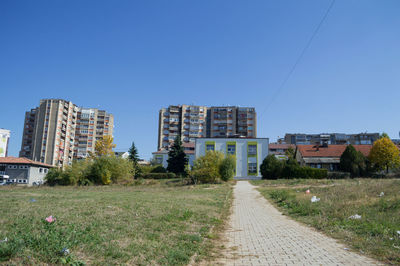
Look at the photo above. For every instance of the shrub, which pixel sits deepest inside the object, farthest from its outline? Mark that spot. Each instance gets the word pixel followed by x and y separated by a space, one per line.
pixel 206 169
pixel 227 168
pixel 158 169
pixel 159 176
pixel 271 167
pixel 109 169
pixel 101 170
pixel 56 176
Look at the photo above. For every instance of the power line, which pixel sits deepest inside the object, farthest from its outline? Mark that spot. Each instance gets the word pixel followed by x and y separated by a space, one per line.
pixel 299 58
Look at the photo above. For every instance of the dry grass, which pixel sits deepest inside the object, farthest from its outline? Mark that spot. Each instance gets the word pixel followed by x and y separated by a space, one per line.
pixel 375 234
pixel 162 223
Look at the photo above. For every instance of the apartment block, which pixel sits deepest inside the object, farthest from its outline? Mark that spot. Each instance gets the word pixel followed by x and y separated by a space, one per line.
pixel 191 122
pixel 49 132
pixel 188 121
pixel 229 121
pixel 92 125
pixel 4 139
pixel 331 138
pixel 52 135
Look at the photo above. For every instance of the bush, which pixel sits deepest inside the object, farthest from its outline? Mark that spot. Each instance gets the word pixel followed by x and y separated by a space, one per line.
pixel 101 171
pixel 271 167
pixel 206 169
pixel 158 169
pixel 158 176
pixel 227 168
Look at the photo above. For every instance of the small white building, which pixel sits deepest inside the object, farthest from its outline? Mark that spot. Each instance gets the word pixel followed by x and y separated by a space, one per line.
pixel 22 171
pixel 249 153
pixel 161 156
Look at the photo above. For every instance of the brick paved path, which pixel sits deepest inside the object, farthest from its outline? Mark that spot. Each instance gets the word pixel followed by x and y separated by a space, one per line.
pixel 259 234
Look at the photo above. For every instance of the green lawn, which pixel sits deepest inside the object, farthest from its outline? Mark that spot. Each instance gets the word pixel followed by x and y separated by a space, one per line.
pixel 163 223
pixel 375 234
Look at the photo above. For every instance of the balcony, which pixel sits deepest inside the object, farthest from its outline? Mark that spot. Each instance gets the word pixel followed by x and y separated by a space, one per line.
pixel 173 128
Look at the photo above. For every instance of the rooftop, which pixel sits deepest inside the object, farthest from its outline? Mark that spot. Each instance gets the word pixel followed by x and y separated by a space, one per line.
pixel 330 150
pixel 22 160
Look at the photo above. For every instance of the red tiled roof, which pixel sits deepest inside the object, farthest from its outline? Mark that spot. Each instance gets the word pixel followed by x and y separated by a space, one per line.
pixel 330 151
pixel 21 160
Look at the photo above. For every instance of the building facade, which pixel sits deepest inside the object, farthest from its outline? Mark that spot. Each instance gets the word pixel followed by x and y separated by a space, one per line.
pixel 161 156
pixel 52 134
pixel 188 121
pixel 331 138
pixel 249 153
pixel 92 124
pixel 191 122
pixel 4 140
pixel 22 171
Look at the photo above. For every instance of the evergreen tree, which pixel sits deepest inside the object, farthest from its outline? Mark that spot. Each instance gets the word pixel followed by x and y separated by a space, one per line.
pixel 134 157
pixel 177 158
pixel 352 161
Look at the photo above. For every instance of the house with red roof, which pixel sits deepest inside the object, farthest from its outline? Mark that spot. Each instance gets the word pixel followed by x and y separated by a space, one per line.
pixel 325 156
pixel 15 170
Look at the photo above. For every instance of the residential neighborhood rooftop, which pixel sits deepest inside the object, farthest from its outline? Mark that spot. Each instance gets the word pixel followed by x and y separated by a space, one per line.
pixel 330 150
pixel 21 160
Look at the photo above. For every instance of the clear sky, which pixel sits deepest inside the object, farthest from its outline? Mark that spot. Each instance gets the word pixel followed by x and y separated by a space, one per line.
pixel 133 57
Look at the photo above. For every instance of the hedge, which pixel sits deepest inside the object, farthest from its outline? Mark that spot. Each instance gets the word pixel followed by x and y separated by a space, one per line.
pixel 158 176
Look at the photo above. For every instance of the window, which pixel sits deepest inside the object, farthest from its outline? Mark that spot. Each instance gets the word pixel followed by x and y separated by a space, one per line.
pixel 209 147
pixel 252 168
pixel 231 149
pixel 252 149
pixel 40 170
pixel 45 170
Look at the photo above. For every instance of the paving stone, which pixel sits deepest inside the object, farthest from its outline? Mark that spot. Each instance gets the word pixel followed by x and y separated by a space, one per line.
pixel 259 234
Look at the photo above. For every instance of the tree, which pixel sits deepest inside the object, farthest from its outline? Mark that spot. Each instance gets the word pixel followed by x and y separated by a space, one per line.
pixel 104 146
pixel 352 161
pixel 227 167
pixel 384 154
pixel 207 168
pixel 384 135
pixel 177 158
pixel 290 152
pixel 271 167
pixel 134 157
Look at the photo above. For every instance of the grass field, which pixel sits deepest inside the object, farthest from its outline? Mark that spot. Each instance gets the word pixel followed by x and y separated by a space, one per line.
pixel 375 234
pixel 163 223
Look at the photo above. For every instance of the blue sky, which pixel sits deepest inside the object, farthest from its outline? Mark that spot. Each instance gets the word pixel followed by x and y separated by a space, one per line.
pixel 133 57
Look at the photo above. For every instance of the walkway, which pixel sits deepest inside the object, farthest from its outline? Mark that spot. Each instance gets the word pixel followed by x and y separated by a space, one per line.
pixel 259 234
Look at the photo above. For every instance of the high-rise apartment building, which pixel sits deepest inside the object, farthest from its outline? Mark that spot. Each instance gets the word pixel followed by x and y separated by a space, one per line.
pixel 190 122
pixel 229 121
pixel 52 136
pixel 49 132
pixel 92 125
pixel 4 139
